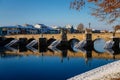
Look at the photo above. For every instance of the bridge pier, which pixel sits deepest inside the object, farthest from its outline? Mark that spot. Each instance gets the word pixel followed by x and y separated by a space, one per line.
pixel 22 44
pixel 89 42
pixel 42 44
pixel 2 41
pixel 116 43
pixel 64 42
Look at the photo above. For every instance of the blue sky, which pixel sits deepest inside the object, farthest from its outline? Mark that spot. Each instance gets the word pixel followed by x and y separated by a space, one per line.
pixel 49 12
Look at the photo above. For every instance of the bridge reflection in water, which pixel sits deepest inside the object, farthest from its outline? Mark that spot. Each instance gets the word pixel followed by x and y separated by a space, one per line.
pixel 65 53
pixel 34 63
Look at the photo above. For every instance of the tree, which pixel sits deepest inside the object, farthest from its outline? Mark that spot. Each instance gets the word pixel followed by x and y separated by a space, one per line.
pixel 80 27
pixel 104 9
pixel 117 27
pixel 72 30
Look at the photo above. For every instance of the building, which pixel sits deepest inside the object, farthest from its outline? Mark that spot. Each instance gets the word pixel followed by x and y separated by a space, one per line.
pixel 69 28
pixel 55 29
pixel 9 30
pixel 104 31
pixel 18 29
pixel 43 28
pixel 28 29
pixel 88 30
pixel 95 31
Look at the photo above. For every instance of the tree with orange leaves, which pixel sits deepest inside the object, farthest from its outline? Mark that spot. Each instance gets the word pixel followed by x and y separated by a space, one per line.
pixel 104 9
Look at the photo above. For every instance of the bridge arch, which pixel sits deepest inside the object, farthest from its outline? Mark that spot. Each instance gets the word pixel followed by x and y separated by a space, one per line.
pixel 99 42
pixel 5 41
pixel 49 41
pixel 31 39
pixel 72 42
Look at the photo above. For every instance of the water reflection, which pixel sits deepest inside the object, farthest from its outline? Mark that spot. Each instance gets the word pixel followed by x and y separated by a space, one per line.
pixel 64 53
pixel 51 64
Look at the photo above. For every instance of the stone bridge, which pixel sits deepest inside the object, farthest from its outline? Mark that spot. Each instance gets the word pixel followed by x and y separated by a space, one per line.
pixel 105 36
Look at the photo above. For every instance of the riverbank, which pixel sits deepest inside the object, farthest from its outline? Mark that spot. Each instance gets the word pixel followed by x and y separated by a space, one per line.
pixel 110 71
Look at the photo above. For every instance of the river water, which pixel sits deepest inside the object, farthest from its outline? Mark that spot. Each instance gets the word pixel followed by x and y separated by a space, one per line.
pixel 52 65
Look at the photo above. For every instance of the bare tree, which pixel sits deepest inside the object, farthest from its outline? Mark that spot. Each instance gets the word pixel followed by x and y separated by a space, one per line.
pixel 104 9
pixel 80 27
pixel 117 27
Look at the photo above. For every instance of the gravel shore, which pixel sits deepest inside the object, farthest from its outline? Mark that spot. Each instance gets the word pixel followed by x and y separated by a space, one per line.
pixel 110 71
